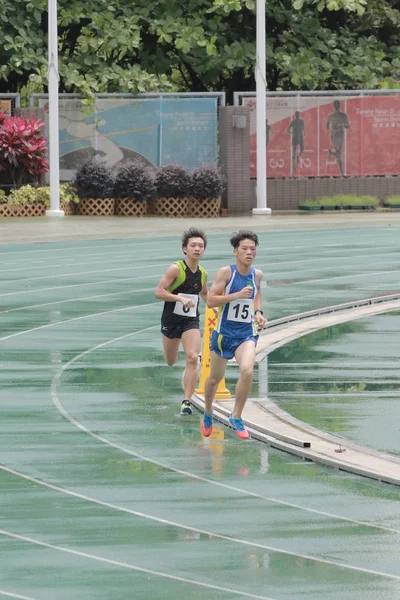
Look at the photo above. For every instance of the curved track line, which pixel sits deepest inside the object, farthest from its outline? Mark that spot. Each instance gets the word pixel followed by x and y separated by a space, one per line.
pixel 163 465
pixel 107 442
pixel 74 274
pixel 169 523
pixel 125 565
pixel 41 263
pixel 71 285
pixel 11 595
pixel 114 310
pixel 10 310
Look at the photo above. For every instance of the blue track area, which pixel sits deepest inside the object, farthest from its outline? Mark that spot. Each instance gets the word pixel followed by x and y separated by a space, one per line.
pixel 108 494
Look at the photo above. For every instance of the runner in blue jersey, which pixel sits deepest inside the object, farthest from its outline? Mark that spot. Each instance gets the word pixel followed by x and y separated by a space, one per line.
pixel 180 287
pixel 237 294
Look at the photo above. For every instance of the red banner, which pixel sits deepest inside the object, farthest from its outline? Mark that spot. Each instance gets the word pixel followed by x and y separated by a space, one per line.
pixel 317 136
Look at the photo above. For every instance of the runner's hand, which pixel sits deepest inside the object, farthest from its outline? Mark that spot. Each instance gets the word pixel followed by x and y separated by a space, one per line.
pixel 261 322
pixel 246 292
pixel 187 302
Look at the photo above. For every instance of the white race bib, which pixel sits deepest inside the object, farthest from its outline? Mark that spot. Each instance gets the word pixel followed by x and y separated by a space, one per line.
pixel 240 311
pixel 189 311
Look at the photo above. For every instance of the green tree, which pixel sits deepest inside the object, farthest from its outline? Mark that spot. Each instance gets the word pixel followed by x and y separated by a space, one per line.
pixel 136 46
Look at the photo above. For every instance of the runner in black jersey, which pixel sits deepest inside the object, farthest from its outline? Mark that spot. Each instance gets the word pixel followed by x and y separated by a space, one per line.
pixel 180 287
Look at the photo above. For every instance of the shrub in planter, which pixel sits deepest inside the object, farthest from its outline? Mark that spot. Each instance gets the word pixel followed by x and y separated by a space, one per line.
pixel 26 201
pixel 207 187
pixel 134 186
pixel 391 202
pixel 340 202
pixel 173 188
pixel 3 204
pixel 22 150
pixel 94 184
pixel 33 201
pixel 68 197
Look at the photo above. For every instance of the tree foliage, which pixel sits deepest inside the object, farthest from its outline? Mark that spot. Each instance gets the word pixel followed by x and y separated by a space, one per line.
pixel 198 45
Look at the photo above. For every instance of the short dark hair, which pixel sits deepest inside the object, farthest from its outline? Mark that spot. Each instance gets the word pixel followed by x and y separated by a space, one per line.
pixel 336 104
pixel 243 234
pixel 193 232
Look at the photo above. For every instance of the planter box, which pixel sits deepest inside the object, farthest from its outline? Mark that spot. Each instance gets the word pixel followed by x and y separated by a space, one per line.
pixel 199 209
pixel 27 210
pixel 170 207
pixel 359 207
pixel 96 207
pixel 69 209
pixel 129 208
pixel 310 207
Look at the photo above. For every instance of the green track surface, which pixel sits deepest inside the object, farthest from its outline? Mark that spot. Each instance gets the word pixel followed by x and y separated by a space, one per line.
pixel 108 494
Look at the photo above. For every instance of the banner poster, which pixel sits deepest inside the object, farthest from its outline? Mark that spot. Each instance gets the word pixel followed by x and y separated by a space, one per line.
pixel 317 136
pixel 157 131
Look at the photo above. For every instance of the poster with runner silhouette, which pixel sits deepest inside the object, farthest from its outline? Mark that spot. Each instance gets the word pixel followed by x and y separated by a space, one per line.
pixel 316 136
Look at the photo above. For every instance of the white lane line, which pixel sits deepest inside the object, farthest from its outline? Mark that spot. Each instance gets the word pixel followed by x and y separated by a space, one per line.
pixel 263 253
pixel 51 265
pixel 11 595
pixel 329 279
pixel 211 586
pixel 163 465
pixel 133 242
pixel 132 567
pixel 72 285
pixel 169 523
pixel 107 312
pixel 75 274
pixel 80 298
pixel 103 440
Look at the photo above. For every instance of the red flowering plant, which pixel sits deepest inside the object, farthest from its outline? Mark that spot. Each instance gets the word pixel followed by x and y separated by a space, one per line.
pixel 22 150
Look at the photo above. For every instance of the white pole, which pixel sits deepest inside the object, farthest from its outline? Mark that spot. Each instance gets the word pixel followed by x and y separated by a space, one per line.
pixel 52 76
pixel 261 130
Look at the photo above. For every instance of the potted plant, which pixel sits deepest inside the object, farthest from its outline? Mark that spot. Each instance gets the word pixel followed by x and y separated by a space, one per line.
pixel 133 187
pixel 26 201
pixel 173 187
pixel 340 202
pixel 68 197
pixel 94 184
pixel 30 201
pixel 23 150
pixel 392 202
pixel 207 187
pixel 4 209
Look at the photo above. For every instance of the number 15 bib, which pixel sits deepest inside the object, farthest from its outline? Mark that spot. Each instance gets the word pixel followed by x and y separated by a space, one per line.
pixel 240 311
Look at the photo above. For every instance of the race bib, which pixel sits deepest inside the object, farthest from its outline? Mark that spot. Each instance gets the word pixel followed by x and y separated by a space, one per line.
pixel 189 311
pixel 240 311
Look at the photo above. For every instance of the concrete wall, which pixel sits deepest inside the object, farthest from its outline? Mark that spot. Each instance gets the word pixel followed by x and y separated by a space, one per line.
pixel 234 153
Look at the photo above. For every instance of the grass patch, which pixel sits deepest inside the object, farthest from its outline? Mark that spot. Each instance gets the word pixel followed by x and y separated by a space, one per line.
pixel 343 201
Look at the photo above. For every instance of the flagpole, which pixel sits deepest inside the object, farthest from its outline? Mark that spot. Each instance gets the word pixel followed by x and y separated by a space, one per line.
pixel 261 129
pixel 52 74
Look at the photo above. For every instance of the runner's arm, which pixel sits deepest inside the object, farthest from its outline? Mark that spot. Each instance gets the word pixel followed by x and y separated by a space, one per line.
pixel 215 295
pixel 261 321
pixel 162 293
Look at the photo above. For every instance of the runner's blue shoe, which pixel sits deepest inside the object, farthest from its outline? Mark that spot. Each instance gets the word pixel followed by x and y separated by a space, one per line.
pixel 206 425
pixel 239 428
